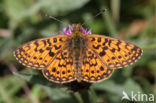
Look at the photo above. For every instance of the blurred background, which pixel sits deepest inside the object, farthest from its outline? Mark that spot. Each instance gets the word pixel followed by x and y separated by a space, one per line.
pixel 25 20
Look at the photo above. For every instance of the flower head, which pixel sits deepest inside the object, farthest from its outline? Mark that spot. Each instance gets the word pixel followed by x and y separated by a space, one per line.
pixel 85 31
pixel 69 30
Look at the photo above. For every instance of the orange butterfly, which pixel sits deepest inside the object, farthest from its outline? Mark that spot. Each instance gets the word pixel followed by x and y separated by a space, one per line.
pixel 77 55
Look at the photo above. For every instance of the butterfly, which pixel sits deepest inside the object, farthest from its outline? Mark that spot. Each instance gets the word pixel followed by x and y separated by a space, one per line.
pixel 77 55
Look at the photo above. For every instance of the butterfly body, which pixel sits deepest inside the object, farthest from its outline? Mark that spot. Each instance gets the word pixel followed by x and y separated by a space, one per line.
pixel 77 55
pixel 76 47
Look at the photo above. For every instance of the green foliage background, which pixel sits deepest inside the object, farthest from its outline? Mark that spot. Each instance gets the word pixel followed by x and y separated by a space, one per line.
pixel 25 20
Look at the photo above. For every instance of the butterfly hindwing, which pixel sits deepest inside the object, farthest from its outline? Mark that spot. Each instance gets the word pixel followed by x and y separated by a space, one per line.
pixel 61 69
pixel 93 68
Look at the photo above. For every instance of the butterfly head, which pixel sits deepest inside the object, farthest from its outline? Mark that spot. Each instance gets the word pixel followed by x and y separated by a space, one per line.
pixel 75 30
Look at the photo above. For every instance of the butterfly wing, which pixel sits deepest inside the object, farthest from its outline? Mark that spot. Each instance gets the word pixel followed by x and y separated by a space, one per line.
pixel 93 68
pixel 113 52
pixel 39 53
pixel 61 69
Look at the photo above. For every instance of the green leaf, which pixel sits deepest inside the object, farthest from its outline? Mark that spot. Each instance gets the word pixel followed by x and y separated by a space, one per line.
pixel 111 86
pixel 4 95
pixel 39 79
pixel 60 95
pixel 60 7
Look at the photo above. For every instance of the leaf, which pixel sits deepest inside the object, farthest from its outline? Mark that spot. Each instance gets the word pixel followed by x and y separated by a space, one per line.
pixel 15 9
pixel 59 95
pixel 39 79
pixel 110 86
pixel 4 95
pixel 59 7
pixel 9 86
pixel 19 9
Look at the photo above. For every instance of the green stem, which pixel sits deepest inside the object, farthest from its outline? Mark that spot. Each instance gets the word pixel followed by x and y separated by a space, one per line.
pixel 88 96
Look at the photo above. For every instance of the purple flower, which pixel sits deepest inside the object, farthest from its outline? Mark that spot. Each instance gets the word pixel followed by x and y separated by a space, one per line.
pixel 85 31
pixel 69 30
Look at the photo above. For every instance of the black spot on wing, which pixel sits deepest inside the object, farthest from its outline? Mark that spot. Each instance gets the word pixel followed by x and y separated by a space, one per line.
pixel 44 42
pixel 93 39
pixel 57 47
pixel 105 48
pixel 36 43
pixel 113 50
pixel 60 39
pixel 53 69
pixel 109 42
pixel 96 47
pixel 48 48
pixel 51 53
pixel 54 40
pixel 106 40
pixel 48 41
pixel 99 39
pixel 117 44
pixel 41 50
pixel 102 53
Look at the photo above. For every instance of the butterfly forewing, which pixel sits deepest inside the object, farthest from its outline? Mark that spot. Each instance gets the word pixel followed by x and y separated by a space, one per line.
pixel 38 53
pixel 113 52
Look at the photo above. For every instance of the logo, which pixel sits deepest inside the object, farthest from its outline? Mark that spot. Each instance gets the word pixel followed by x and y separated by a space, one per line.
pixel 137 96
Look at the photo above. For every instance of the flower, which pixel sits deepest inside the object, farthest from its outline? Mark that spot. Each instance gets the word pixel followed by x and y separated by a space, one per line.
pixel 85 31
pixel 69 30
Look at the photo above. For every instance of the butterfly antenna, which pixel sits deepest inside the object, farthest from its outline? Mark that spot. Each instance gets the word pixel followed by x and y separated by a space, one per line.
pixel 101 12
pixel 51 17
